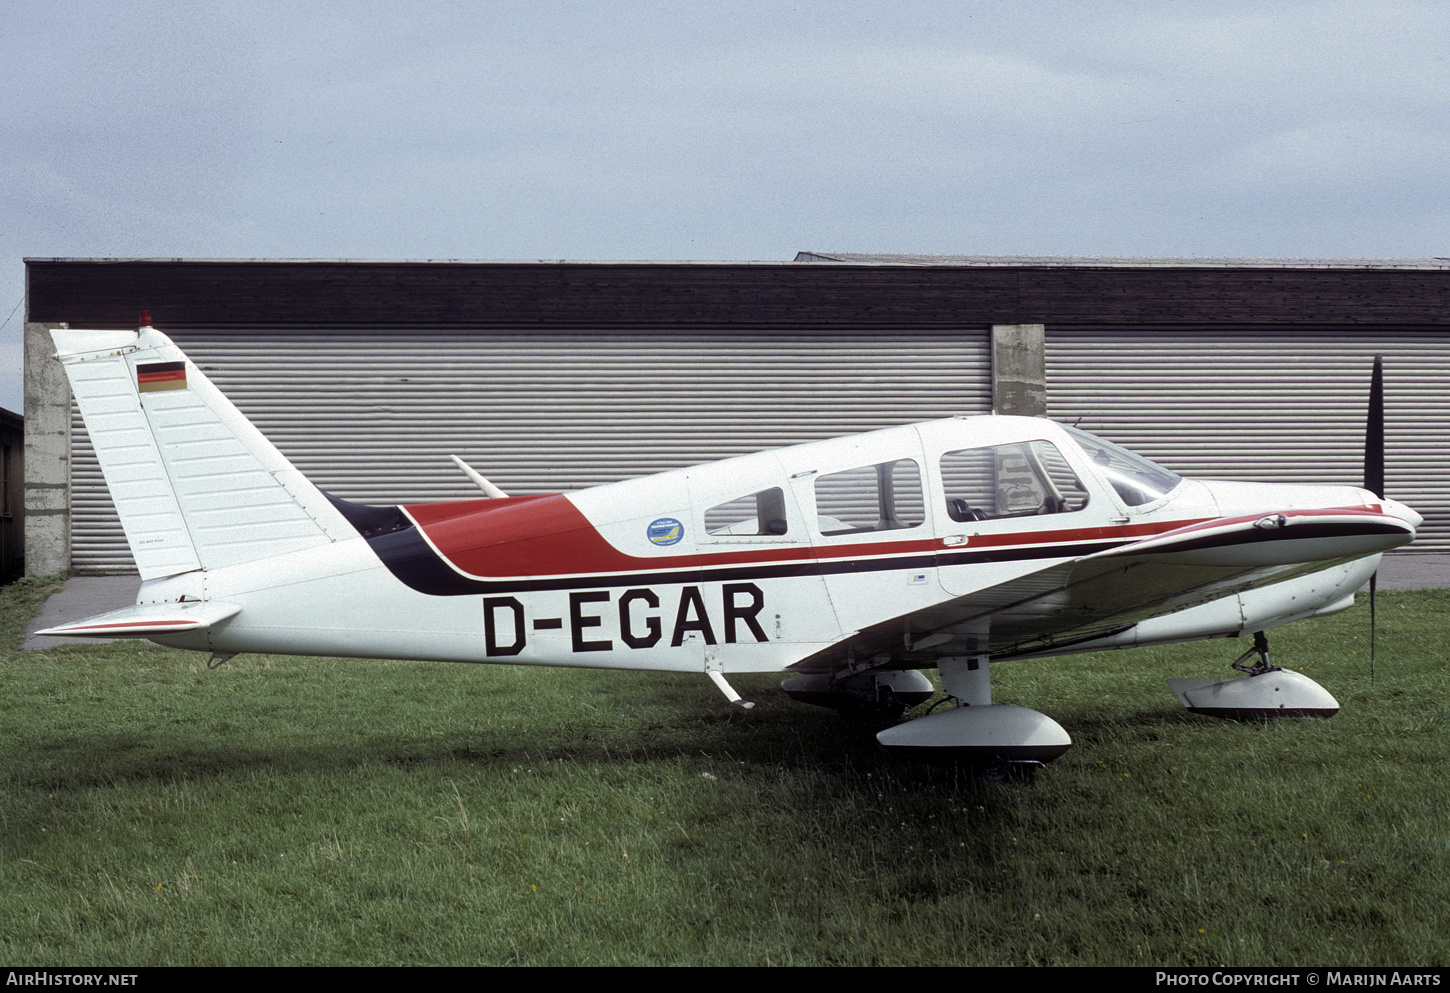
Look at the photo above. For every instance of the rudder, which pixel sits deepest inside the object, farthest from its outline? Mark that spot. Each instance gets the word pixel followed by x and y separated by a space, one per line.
pixel 196 486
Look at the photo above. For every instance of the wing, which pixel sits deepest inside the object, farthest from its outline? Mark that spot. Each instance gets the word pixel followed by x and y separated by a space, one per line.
pixel 1082 599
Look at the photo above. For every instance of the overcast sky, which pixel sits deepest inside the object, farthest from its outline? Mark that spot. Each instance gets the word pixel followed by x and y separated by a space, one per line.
pixel 719 130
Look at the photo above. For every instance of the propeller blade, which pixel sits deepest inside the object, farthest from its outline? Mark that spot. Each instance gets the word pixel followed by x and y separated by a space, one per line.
pixel 1374 472
pixel 1374 433
pixel 1372 625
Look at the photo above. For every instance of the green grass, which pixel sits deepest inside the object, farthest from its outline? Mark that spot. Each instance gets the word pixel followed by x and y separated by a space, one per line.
pixel 316 811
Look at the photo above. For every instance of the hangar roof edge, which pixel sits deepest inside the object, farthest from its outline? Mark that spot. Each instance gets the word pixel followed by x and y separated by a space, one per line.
pixel 480 262
pixel 1118 261
pixel 843 258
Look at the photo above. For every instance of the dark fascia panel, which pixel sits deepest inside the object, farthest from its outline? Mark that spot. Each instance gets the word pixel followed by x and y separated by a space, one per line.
pixel 520 295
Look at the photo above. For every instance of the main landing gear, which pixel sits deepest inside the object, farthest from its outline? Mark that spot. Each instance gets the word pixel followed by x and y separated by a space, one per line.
pixel 1001 739
pixel 1264 692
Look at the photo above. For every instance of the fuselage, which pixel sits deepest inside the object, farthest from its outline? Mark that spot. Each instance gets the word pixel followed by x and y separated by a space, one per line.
pixel 771 561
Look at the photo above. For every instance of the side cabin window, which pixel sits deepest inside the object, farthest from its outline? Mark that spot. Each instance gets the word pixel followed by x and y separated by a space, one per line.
pixel 882 497
pixel 1018 480
pixel 755 513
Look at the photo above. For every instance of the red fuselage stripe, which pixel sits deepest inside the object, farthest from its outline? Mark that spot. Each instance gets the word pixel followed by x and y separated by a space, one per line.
pixel 538 536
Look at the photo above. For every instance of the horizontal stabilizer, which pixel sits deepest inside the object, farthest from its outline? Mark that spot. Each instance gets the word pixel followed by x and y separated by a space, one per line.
pixel 148 620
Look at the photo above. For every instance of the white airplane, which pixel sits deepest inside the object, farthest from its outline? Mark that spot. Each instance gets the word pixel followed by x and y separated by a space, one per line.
pixel 849 565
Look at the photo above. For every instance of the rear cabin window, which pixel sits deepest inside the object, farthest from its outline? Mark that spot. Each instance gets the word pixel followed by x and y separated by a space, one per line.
pixel 755 513
pixel 882 497
pixel 1019 480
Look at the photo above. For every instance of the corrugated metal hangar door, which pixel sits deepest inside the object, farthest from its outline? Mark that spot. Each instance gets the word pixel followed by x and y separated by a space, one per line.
pixel 1267 405
pixel 372 416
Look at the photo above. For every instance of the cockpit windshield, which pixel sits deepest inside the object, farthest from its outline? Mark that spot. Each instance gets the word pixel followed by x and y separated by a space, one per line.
pixel 1135 479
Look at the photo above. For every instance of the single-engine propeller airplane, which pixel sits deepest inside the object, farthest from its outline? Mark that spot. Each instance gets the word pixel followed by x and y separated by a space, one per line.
pixel 848 565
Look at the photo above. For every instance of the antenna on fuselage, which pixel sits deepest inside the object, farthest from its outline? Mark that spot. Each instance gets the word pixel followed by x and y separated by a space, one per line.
pixel 492 491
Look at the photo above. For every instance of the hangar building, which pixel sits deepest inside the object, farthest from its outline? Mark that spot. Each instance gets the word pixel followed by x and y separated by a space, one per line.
pixel 549 376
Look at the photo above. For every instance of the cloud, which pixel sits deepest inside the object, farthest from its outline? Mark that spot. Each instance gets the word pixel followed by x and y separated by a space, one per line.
pixel 1334 153
pixel 728 130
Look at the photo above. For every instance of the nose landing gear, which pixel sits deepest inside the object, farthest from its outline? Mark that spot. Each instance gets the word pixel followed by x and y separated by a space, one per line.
pixel 1265 692
pixel 1261 649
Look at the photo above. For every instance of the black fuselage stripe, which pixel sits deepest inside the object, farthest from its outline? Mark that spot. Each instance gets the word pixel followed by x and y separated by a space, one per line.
pixel 1295 532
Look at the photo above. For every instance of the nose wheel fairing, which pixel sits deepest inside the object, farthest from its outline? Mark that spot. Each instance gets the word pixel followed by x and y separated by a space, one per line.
pixel 1266 695
pixel 1263 693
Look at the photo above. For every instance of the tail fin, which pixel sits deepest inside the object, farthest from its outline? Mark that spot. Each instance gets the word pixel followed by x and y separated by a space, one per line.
pixel 195 484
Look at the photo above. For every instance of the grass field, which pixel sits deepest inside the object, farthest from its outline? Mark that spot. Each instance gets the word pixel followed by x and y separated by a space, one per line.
pixel 316 811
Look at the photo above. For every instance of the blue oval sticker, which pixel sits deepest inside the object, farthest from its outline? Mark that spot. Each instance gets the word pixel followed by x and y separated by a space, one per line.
pixel 665 531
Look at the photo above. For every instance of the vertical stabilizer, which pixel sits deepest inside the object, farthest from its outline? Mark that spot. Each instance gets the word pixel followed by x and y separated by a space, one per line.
pixel 195 484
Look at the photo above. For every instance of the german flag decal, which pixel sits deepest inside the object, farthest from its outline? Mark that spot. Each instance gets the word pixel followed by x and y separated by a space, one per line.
pixel 153 377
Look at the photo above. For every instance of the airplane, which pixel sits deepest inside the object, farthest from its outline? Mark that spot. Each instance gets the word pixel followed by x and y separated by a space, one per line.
pixel 848 565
